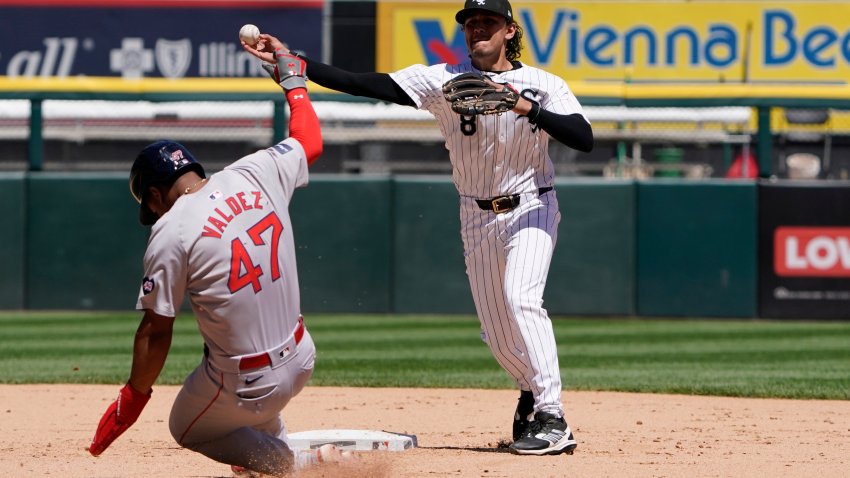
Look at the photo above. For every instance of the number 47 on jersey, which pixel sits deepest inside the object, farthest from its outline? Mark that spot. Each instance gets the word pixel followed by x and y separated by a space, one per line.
pixel 241 260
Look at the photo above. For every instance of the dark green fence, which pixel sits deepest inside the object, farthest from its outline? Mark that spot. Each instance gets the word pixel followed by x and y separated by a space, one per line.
pixel 13 240
pixel 385 244
pixel 593 267
pixel 428 268
pixel 84 244
pixel 696 247
pixel 343 243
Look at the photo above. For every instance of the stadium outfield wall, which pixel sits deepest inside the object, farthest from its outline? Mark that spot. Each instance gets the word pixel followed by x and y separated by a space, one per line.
pixel 660 247
pixel 627 248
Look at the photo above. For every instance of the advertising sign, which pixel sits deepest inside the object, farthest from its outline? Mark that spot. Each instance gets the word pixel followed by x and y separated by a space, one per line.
pixel 642 41
pixel 146 38
pixel 804 250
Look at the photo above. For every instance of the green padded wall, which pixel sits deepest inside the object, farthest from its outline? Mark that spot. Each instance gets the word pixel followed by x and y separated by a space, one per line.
pixel 595 246
pixel 696 247
pixel 593 266
pixel 342 228
pixel 429 274
pixel 375 245
pixel 85 243
pixel 12 240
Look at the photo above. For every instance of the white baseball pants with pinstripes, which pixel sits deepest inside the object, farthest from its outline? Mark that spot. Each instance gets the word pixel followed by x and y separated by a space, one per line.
pixel 507 260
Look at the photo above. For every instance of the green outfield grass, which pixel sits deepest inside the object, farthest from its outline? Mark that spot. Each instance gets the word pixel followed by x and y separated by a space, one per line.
pixel 706 357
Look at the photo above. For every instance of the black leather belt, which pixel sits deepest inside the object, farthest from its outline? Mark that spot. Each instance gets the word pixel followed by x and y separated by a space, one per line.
pixel 505 203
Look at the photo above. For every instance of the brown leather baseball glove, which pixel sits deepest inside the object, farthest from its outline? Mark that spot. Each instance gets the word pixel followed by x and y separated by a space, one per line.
pixel 475 94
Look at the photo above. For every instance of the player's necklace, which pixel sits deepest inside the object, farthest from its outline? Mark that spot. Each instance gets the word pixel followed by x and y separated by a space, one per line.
pixel 190 188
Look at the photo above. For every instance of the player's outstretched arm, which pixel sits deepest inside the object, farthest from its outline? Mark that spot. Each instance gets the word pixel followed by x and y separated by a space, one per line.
pixel 150 349
pixel 375 85
pixel 289 72
pixel 304 124
pixel 120 415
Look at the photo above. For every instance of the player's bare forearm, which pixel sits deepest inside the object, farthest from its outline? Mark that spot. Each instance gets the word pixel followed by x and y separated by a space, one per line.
pixel 150 349
pixel 523 107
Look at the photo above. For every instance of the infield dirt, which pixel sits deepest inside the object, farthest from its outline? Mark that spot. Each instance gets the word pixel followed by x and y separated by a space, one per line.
pixel 44 430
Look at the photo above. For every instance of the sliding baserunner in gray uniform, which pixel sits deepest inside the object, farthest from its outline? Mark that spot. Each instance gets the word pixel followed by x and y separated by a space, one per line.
pixel 226 241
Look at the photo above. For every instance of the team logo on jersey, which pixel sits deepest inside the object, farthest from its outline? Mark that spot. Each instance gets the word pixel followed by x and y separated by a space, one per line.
pixel 147 285
pixel 215 195
pixel 533 96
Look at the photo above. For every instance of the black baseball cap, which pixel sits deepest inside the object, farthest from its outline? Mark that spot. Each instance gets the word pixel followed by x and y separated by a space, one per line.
pixel 159 163
pixel 501 7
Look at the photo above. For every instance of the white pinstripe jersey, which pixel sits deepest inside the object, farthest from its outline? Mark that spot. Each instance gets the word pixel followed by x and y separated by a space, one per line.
pixel 499 154
pixel 230 247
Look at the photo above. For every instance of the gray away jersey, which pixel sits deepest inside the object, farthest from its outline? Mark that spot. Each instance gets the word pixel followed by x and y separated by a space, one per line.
pixel 230 246
pixel 492 155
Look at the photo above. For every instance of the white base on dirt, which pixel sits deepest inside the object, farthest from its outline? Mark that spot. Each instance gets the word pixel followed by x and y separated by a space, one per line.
pixel 358 440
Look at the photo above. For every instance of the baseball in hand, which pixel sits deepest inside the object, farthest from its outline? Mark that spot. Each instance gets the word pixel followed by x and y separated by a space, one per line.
pixel 250 34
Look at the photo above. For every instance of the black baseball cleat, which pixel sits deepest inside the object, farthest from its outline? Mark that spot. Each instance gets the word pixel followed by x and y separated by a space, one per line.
pixel 547 435
pixel 524 409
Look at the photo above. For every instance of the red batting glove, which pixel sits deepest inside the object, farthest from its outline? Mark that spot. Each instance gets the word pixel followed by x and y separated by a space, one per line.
pixel 118 418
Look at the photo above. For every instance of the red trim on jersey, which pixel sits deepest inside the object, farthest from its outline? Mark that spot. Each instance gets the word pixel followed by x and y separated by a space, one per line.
pixel 221 381
pixel 166 3
pixel 299 330
pixel 304 124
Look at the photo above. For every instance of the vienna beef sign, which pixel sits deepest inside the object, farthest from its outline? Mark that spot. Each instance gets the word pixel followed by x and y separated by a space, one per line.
pixel 667 41
pixel 812 251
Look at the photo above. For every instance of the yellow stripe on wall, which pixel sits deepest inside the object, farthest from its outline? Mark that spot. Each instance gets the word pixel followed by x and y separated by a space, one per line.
pixel 236 86
pixel 91 84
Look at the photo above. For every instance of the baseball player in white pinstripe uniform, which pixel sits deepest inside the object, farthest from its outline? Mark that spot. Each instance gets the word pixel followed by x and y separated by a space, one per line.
pixel 226 241
pixel 508 209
